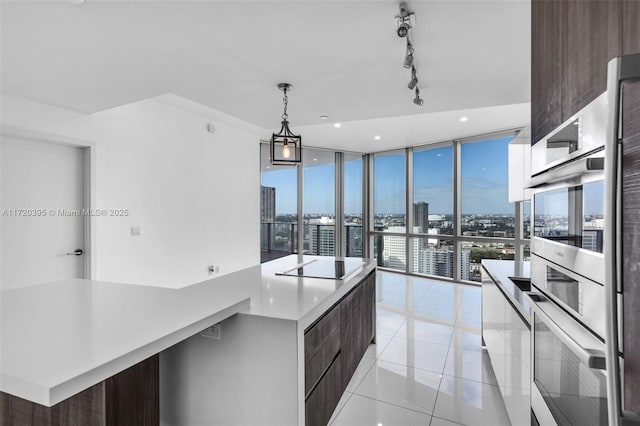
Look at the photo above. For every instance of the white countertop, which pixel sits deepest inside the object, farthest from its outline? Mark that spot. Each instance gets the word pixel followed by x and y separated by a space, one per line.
pixel 60 338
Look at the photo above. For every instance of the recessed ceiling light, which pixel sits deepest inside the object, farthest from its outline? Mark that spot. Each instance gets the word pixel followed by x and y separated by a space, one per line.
pixel 463 119
pixel 377 137
pixel 315 159
pixel 337 125
pixel 324 117
pixel 268 167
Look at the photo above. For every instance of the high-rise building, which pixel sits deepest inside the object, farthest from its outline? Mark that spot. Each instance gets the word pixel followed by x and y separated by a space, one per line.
pixel 394 253
pixel 353 240
pixel 322 237
pixel 267 204
pixel 431 259
pixel 465 264
pixel 434 261
pixel 421 216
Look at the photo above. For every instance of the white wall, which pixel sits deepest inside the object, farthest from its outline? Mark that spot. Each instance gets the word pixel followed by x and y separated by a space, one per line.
pixel 194 194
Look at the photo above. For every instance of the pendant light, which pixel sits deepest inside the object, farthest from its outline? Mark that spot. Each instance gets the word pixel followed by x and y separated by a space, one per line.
pixel 286 148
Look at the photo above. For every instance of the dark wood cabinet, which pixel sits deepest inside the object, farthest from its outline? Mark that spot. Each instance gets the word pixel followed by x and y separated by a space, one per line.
pixel 358 319
pixel 129 398
pixel 546 67
pixel 630 27
pixel 351 317
pixel 133 396
pixel 572 42
pixel 321 347
pixel 334 346
pixel 368 312
pixel 630 93
pixel 591 36
pixel 324 399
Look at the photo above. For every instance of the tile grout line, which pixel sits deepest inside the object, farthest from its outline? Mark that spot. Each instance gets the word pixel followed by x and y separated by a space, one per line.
pixel 394 404
pixel 337 414
pixel 435 403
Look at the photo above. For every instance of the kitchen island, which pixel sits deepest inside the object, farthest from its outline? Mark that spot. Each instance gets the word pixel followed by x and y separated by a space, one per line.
pixel 284 361
pixel 68 348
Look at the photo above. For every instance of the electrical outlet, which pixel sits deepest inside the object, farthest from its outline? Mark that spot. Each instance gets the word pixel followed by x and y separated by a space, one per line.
pixel 213 332
pixel 214 269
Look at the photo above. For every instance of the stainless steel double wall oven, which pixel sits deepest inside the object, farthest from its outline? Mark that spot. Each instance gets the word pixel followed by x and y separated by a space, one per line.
pixel 569 383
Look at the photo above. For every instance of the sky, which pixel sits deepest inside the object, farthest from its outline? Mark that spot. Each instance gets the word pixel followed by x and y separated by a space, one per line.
pixel 484 174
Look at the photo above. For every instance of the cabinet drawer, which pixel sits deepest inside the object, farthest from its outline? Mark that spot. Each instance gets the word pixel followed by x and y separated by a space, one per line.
pixel 323 400
pixel 321 344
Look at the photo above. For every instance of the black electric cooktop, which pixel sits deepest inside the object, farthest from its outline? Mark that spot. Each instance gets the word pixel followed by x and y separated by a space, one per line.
pixel 330 269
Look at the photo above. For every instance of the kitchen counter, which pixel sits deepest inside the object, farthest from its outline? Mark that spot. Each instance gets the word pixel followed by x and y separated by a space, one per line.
pixel 500 272
pixel 60 338
pixel 506 331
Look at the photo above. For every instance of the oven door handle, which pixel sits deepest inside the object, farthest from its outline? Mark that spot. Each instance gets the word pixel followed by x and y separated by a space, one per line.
pixel 594 358
pixel 568 171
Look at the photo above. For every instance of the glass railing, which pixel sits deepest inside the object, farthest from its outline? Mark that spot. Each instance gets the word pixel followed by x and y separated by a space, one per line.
pixel 279 237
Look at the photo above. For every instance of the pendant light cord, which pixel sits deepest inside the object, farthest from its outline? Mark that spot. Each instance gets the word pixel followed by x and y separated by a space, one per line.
pixel 285 101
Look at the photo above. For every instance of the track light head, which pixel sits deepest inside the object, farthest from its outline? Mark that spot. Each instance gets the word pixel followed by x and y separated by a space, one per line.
pixel 417 100
pixel 408 61
pixel 403 29
pixel 414 79
pixel 408 58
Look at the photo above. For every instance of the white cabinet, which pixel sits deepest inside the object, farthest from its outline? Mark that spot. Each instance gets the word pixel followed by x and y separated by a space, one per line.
pixel 520 166
pixel 507 338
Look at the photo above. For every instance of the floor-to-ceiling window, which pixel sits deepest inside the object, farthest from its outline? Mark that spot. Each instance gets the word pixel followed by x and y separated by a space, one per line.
pixel 319 199
pixel 485 208
pixel 353 235
pixel 460 213
pixel 390 210
pixel 278 208
pixel 433 211
pixel 331 200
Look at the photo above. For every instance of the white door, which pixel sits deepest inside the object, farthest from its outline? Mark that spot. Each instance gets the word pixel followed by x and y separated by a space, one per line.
pixel 41 204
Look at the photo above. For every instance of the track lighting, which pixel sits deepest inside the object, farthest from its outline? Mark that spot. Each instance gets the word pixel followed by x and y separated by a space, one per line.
pixel 405 21
pixel 417 100
pixel 414 79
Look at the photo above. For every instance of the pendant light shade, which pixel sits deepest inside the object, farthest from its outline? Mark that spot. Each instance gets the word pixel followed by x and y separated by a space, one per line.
pixel 286 148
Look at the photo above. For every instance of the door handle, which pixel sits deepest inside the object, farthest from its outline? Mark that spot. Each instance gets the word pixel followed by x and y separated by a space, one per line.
pixel 594 357
pixel 77 252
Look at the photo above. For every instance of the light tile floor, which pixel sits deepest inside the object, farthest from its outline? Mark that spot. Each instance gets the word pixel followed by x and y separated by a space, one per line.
pixel 427 366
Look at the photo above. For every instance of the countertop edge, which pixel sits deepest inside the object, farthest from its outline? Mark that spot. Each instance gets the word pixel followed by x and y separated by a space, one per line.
pixel 508 294
pixel 49 396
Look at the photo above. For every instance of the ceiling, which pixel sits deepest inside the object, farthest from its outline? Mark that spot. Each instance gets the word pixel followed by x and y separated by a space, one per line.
pixel 343 58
